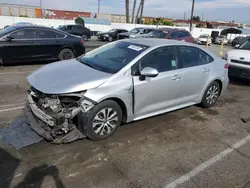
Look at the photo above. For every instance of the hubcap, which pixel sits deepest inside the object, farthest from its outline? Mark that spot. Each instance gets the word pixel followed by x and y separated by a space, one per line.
pixel 212 94
pixel 67 55
pixel 105 121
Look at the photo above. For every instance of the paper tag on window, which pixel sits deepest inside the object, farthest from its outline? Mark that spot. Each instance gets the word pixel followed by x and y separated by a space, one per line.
pixel 136 48
pixel 173 63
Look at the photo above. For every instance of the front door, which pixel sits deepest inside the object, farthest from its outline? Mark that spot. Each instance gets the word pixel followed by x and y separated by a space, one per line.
pixel 196 69
pixel 21 48
pixel 156 95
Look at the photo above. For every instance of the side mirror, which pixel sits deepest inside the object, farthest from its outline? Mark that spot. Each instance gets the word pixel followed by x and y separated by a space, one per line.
pixel 149 72
pixel 9 38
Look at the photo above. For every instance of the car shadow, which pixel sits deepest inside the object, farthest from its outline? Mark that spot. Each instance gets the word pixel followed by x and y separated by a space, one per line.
pixel 239 81
pixel 34 178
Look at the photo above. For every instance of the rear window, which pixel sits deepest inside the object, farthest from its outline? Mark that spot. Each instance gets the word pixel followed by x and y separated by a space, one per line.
pixel 6 31
pixel 112 57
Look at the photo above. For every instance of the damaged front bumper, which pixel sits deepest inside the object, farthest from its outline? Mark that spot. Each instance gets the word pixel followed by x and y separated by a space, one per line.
pixel 56 129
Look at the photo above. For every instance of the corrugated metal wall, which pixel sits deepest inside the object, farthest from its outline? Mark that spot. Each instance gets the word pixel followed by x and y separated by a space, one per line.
pixel 14 10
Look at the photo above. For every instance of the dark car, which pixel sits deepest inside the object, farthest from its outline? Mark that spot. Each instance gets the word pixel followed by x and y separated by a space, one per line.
pixel 239 41
pixel 135 32
pixel 35 43
pixel 157 33
pixel 78 30
pixel 110 35
pixel 178 34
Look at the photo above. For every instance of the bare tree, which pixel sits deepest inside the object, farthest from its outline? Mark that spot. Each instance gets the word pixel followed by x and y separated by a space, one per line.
pixel 142 6
pixel 127 11
pixel 133 12
pixel 137 14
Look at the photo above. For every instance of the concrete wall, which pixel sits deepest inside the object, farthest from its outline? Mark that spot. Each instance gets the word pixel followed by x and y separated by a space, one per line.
pixel 8 20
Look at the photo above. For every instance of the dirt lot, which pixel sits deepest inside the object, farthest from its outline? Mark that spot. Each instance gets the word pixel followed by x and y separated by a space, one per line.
pixel 190 148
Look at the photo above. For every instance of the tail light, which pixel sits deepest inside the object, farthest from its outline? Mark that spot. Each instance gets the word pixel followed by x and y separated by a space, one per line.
pixel 226 66
pixel 82 42
pixel 169 37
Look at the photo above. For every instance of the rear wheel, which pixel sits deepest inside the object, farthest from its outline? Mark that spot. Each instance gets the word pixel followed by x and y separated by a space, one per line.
pixel 110 39
pixel 103 120
pixel 85 37
pixel 211 95
pixel 66 54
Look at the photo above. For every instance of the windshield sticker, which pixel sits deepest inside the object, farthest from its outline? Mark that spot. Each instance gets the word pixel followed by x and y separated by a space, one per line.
pixel 173 63
pixel 136 48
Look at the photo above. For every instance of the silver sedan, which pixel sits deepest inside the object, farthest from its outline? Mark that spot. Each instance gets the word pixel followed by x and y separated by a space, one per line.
pixel 120 82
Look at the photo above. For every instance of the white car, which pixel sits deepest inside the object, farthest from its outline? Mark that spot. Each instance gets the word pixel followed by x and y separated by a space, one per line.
pixel 204 39
pixel 239 61
pixel 221 39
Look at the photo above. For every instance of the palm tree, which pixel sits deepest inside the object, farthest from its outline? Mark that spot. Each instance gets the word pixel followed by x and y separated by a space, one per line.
pixel 127 11
pixel 133 12
pixel 137 14
pixel 142 6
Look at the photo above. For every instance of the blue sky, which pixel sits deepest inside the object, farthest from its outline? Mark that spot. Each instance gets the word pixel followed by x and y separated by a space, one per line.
pixel 223 10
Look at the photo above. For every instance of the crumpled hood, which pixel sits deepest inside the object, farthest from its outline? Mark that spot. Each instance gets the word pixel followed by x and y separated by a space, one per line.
pixel 66 77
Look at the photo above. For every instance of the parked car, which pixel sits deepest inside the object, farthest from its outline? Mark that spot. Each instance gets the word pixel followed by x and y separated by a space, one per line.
pixel 36 43
pixel 214 34
pixel 178 34
pixel 120 82
pixel 134 33
pixel 221 39
pixel 110 35
pixel 156 33
pixel 239 40
pixel 204 39
pixel 239 61
pixel 77 29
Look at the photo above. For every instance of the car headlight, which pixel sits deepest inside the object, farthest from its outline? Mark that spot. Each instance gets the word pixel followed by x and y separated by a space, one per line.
pixel 106 35
pixel 225 56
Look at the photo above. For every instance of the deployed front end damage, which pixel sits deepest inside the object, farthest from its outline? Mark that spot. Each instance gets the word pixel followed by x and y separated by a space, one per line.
pixel 56 117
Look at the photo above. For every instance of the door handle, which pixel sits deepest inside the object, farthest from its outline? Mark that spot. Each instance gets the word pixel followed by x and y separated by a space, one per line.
pixel 205 70
pixel 176 77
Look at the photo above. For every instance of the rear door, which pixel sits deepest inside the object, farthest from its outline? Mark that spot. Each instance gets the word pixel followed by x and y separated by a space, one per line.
pixel 21 48
pixel 49 43
pixel 196 69
pixel 153 95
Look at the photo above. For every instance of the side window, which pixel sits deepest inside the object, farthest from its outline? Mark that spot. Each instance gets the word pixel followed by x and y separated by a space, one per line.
pixel 23 34
pixel 204 57
pixel 174 35
pixel 68 27
pixel 163 59
pixel 187 34
pixel 47 34
pixel 190 56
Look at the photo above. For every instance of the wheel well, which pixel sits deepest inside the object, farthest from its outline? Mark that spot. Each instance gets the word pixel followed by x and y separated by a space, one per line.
pixel 122 106
pixel 220 83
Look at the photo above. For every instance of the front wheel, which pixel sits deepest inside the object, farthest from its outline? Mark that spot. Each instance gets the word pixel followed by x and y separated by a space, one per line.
pixel 110 39
pixel 103 120
pixel 211 95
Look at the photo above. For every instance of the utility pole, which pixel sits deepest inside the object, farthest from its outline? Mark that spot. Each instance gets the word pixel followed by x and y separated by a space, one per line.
pixel 202 17
pixel 192 14
pixel 99 3
pixel 184 15
pixel 142 6
pixel 127 10
pixel 133 12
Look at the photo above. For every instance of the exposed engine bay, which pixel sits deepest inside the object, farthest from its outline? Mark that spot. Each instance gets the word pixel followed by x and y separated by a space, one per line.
pixel 57 117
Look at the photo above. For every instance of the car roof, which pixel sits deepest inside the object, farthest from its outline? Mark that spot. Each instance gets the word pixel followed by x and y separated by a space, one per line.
pixel 29 26
pixel 154 42
pixel 172 29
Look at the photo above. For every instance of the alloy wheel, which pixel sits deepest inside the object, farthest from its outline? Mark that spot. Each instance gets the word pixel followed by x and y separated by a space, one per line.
pixel 212 94
pixel 67 55
pixel 105 121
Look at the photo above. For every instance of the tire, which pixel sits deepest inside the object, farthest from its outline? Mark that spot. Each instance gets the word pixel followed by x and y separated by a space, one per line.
pixel 102 127
pixel 66 54
pixel 85 37
pixel 110 39
pixel 211 95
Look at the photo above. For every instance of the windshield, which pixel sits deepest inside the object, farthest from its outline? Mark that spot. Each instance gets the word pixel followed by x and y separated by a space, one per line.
pixel 6 31
pixel 112 57
pixel 203 36
pixel 135 31
pixel 158 34
pixel 245 45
